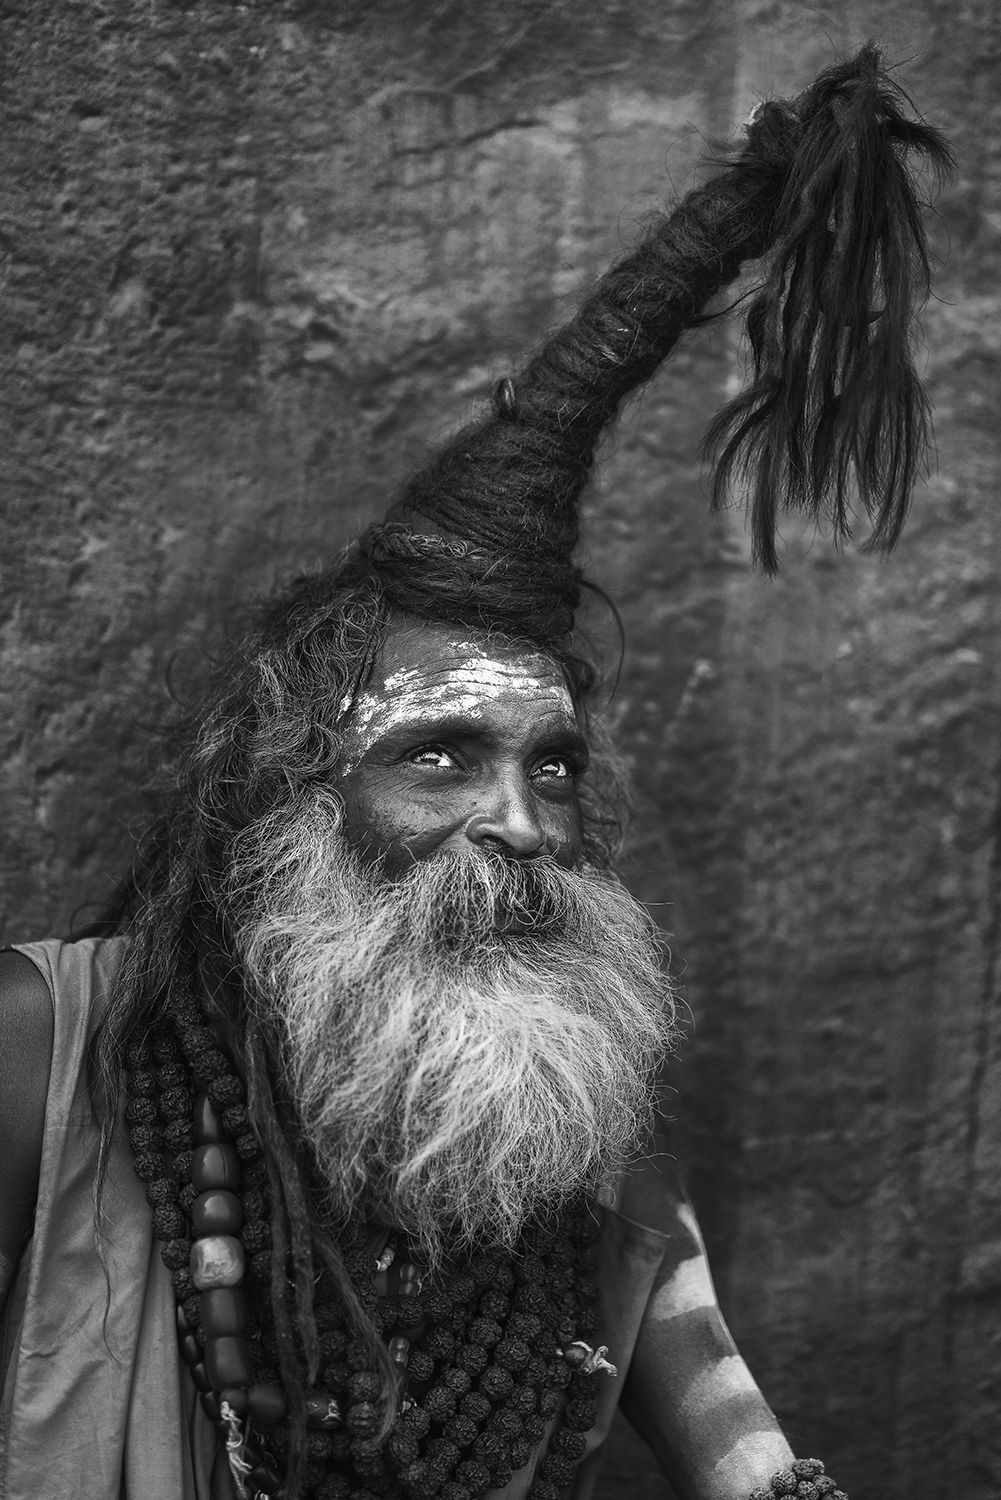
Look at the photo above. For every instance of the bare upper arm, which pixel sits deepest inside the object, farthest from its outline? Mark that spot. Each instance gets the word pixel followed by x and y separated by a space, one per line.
pixel 26 1032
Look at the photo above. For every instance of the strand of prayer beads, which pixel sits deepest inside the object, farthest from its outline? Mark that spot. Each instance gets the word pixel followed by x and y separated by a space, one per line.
pixel 490 1357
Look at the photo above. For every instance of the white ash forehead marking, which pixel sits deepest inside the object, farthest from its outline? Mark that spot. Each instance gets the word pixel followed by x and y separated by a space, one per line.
pixel 416 693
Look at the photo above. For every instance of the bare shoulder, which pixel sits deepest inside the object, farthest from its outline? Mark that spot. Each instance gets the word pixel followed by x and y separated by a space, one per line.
pixel 26 1033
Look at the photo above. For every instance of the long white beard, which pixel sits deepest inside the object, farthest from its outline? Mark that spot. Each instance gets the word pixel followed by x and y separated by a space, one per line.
pixel 468 1046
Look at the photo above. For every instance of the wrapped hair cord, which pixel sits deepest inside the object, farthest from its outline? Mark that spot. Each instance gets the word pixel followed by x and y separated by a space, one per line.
pixel 822 190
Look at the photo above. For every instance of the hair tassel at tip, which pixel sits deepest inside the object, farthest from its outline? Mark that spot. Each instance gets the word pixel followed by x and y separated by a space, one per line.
pixel 836 414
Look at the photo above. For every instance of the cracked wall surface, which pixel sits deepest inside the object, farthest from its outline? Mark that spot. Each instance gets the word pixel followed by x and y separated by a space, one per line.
pixel 257 257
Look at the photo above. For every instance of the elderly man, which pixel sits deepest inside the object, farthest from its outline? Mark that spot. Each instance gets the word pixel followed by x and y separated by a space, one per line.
pixel 323 1159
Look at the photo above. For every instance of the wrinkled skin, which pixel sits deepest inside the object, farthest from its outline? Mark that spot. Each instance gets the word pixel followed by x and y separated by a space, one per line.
pixel 461 743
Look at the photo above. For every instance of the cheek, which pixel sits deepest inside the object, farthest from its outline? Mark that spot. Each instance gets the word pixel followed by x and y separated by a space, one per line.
pixel 567 838
pixel 393 830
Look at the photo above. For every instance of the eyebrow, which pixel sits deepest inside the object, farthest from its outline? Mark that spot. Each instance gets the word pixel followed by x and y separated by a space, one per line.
pixel 552 732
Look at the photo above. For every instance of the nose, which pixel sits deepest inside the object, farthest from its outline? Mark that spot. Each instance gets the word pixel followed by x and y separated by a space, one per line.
pixel 508 816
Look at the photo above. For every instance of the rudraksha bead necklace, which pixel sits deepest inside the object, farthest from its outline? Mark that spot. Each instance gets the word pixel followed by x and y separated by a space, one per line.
pixel 488 1354
pixel 803 1480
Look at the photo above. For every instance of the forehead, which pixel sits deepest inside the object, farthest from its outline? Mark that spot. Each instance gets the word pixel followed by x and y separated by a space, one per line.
pixel 426 670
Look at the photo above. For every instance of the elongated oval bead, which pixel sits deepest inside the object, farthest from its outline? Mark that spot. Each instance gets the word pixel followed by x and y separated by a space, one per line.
pixel 227 1361
pixel 206 1124
pixel 266 1404
pixel 217 1260
pixel 199 1375
pixel 210 1404
pixel 215 1166
pixel 190 1352
pixel 216 1212
pixel 223 1309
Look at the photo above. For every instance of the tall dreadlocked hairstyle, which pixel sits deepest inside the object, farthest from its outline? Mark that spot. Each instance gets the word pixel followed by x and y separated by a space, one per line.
pixel 485 537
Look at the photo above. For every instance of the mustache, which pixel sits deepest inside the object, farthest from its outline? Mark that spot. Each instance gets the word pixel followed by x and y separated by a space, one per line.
pixel 475 900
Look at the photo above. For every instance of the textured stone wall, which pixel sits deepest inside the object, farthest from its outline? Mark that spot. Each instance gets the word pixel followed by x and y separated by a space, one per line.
pixel 256 257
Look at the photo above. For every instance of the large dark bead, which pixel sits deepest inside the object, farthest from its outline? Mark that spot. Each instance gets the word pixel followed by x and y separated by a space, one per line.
pixel 235 1397
pixel 265 1478
pixel 523 1400
pixel 148 1165
pixel 175 1104
pixel 266 1404
pixel 472 1358
pixel 414 1420
pixel 235 1120
pixel 475 1406
pixel 461 1286
pixel 227 1360
pixel 216 1166
pixel 141 1111
pixel 248 1147
pixel 570 1443
pixel 439 1343
pixel 216 1212
pixel 146 1138
pixel 474 1474
pixel 549 1403
pixel 225 1091
pixel 223 1309
pixel 168 1222
pixel 165 1048
pixel 494 1304
pixel 496 1383
pixel 180 1168
pixel 521 1452
pixel 485 1331
pixel 557 1469
pixel 402 1448
pixel 323 1412
pixel 207 1128
pixel 513 1354
pixel 363 1418
pixel 461 1431
pixel 439 1404
pixel 421 1365
pixel 175 1254
pixel 409 1311
pixel 364 1385
pixel 318 1445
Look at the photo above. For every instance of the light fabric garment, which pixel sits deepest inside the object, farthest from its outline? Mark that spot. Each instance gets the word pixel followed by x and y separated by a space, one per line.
pixel 95 1398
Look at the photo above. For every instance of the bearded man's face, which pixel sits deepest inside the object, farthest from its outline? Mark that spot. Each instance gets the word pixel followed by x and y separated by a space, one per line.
pixel 461 744
pixel 472 1019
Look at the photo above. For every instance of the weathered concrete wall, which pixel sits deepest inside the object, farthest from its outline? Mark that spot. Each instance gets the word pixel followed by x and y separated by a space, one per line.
pixel 258 256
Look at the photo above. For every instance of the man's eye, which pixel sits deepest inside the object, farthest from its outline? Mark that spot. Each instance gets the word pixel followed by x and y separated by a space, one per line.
pixel 557 766
pixel 431 755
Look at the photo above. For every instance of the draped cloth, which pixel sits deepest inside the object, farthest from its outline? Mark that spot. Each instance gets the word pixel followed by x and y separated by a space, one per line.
pixel 96 1400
